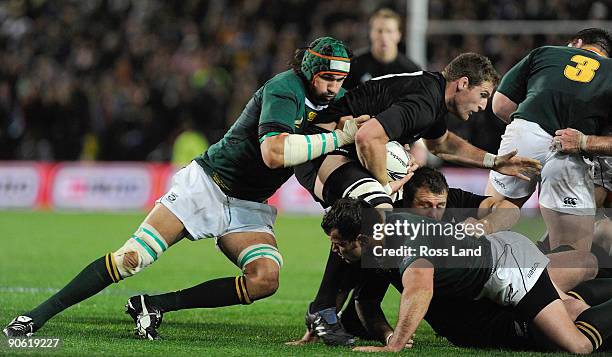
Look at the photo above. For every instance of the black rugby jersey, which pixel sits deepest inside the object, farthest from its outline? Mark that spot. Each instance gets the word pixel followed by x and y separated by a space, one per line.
pixel 409 106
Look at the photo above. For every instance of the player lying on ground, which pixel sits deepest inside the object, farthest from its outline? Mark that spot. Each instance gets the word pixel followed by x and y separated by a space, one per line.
pixel 428 192
pixel 222 194
pixel 504 267
pixel 551 89
pixel 405 107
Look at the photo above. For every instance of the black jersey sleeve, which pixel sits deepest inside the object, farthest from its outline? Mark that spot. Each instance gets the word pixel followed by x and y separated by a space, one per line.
pixel 458 198
pixel 461 204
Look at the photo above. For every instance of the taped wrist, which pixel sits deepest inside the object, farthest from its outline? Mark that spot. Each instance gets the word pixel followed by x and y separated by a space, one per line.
pixel 488 161
pixel 583 143
pixel 302 148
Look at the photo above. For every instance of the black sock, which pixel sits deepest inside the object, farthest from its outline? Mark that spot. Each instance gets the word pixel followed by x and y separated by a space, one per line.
pixel 351 322
pixel 212 293
pixel 595 323
pixel 336 272
pixel 593 292
pixel 91 280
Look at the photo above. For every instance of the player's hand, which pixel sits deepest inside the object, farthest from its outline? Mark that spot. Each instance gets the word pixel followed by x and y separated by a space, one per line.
pixel 397 185
pixel 481 226
pixel 309 337
pixel 387 348
pixel 373 349
pixel 568 141
pixel 360 120
pixel 518 166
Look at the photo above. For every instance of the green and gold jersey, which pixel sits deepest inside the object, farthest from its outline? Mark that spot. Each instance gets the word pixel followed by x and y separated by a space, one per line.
pixel 561 87
pixel 235 162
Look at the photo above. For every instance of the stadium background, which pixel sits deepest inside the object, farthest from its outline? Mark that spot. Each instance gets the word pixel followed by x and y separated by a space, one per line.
pixel 94 91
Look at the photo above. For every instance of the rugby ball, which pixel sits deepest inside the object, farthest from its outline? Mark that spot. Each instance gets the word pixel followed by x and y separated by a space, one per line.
pixel 398 161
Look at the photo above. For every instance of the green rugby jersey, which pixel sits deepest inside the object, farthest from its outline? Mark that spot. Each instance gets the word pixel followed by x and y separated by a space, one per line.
pixel 561 87
pixel 235 162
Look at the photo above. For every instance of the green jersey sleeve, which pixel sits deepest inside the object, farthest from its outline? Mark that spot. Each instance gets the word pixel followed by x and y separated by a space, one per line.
pixel 514 83
pixel 280 108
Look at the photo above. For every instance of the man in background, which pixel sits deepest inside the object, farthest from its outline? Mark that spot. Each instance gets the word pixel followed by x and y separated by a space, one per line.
pixel 383 56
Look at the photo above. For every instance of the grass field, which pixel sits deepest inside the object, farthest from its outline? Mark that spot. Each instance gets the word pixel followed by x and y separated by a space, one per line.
pixel 41 251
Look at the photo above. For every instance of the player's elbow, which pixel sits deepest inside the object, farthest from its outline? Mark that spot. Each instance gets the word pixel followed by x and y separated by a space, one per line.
pixel 366 139
pixel 502 107
pixel 272 152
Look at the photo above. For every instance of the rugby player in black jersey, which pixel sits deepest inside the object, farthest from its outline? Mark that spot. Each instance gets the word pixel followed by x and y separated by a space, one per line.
pixel 406 107
pixel 428 192
pixel 509 271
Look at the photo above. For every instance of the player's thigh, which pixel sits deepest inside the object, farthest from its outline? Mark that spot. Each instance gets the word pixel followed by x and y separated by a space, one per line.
pixel 530 140
pixel 351 180
pixel 196 201
pixel 555 323
pixel 567 185
pixel 568 229
pixel 166 223
pixel 330 164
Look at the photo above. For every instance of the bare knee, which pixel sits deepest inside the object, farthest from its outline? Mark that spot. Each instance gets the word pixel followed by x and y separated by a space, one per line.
pixel 130 260
pixel 262 277
pixel 590 267
pixel 574 307
pixel 580 346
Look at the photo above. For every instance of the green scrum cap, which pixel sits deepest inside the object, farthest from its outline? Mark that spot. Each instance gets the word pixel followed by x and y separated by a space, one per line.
pixel 326 55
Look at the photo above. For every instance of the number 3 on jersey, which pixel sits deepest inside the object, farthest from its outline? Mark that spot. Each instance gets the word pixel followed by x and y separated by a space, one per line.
pixel 583 71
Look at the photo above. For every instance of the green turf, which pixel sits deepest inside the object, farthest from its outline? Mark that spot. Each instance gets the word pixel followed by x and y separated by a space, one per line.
pixel 41 251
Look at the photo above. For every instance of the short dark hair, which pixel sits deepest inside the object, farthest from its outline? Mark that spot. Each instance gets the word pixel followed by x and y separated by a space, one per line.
pixel 477 68
pixel 427 177
pixel 595 36
pixel 351 217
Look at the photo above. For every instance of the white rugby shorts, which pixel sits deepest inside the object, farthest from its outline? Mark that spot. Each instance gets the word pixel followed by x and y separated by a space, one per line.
pixel 603 172
pixel 207 212
pixel 566 180
pixel 518 264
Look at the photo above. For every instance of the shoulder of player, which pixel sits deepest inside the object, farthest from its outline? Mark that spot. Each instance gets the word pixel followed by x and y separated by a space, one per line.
pixel 458 198
pixel 361 54
pixel 288 83
pixel 406 63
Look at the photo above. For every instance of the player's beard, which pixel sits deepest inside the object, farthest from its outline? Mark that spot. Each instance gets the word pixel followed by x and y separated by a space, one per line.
pixel 321 99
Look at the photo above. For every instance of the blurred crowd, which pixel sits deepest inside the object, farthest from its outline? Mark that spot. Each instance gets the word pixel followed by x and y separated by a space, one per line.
pixel 122 79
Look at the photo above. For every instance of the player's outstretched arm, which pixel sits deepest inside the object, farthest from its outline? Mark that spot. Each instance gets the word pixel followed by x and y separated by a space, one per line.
pixel 418 291
pixel 451 147
pixel 496 215
pixel 288 150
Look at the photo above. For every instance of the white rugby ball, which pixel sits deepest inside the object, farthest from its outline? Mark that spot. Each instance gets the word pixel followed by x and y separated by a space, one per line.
pixel 398 161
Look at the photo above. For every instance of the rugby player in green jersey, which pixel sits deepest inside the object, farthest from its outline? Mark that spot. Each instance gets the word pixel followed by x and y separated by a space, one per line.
pixel 550 90
pixel 222 194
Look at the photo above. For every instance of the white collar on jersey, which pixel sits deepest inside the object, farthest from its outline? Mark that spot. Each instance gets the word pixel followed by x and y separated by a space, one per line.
pixel 313 106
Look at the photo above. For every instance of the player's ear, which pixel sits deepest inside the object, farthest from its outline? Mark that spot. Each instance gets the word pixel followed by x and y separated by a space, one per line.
pixel 363 239
pixel 463 83
pixel 577 43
